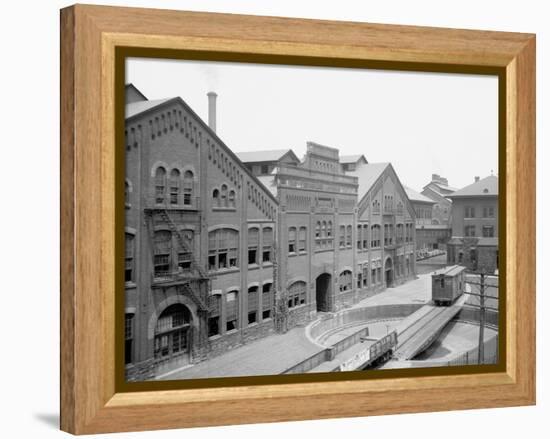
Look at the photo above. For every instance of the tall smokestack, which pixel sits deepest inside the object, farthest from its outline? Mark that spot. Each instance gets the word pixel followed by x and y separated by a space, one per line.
pixel 212 110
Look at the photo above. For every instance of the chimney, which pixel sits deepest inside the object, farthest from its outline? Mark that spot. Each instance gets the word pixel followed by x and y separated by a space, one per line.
pixel 435 177
pixel 212 110
pixel 476 179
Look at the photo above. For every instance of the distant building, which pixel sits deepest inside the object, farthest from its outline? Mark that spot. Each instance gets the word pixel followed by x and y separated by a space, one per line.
pixel 474 241
pixel 430 235
pixel 262 163
pixel 438 190
pixel 352 162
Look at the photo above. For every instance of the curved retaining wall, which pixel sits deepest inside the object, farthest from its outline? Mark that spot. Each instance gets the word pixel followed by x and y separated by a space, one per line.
pixel 360 315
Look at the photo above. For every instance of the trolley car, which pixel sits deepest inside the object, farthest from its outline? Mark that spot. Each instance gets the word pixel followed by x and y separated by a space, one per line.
pixel 448 285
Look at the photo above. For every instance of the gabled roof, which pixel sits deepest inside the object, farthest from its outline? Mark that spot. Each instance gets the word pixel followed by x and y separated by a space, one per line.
pixel 367 175
pixel 345 159
pixel 440 189
pixel 139 107
pixel 273 155
pixel 416 196
pixel 486 187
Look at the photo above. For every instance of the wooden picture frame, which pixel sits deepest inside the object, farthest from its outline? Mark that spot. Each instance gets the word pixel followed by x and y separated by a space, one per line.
pixel 91 396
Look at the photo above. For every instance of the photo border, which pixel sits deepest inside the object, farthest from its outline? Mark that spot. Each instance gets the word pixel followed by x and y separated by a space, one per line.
pixel 122 53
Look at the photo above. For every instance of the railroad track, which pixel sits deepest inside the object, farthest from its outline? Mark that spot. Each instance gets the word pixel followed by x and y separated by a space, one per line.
pixel 422 331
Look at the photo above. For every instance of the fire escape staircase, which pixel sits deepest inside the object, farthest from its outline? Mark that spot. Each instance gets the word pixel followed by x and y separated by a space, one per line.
pixel 193 286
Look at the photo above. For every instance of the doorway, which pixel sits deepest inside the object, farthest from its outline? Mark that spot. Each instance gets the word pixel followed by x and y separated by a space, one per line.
pixel 322 292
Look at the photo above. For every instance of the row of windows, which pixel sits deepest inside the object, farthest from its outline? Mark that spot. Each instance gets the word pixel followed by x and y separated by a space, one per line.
pixel 486 231
pixel 487 212
pixel 297 236
pixel 255 312
pixel 223 197
pixel 223 247
pixel 173 190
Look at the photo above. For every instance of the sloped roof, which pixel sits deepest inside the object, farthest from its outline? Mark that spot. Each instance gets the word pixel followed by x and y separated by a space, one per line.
pixel 273 155
pixel 269 182
pixel 485 187
pixel 367 176
pixel 344 159
pixel 141 106
pixel 417 196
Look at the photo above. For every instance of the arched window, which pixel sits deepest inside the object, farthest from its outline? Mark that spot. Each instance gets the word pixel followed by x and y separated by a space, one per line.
pixel 160 185
pixel 231 199
pixel 267 244
pixel 345 280
pixel 223 201
pixel 267 300
pixel 253 242
pixel 223 249
pixel 129 258
pixel 216 198
pixel 252 305
pixel 188 188
pixel 232 311
pixel 376 207
pixel 174 186
pixel 329 229
pixel 358 237
pixel 318 230
pixel 348 236
pixel 297 294
pixel 172 332
pixel 162 247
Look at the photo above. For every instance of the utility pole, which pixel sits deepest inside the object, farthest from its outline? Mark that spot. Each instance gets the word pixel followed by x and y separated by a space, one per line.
pixel 481 351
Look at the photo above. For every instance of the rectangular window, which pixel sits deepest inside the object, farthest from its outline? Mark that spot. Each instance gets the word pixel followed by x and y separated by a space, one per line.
pixel 470 231
pixel 129 338
pixel 129 260
pixel 373 276
pixel 292 240
pixel 265 169
pixel 252 305
pixel 232 308
pixel 469 212
pixel 214 311
pixel 488 232
pixel 302 239
pixel 342 236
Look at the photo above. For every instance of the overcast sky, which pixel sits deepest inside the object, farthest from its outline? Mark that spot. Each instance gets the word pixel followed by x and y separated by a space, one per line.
pixel 422 123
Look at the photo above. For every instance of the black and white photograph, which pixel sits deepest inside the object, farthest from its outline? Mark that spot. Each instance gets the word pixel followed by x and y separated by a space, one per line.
pixel 288 219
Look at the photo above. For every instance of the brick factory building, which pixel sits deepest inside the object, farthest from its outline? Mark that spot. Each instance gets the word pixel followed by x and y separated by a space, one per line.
pixel 220 252
pixel 474 241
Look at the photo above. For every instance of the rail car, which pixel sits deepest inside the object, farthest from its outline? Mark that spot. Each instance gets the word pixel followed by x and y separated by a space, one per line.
pixel 379 352
pixel 448 285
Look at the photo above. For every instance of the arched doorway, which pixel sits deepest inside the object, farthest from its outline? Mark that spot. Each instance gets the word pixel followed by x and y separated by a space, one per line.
pixel 173 338
pixel 322 292
pixel 388 268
